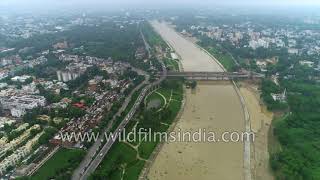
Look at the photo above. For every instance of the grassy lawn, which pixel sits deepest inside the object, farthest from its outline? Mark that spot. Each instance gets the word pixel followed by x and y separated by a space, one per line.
pixel 120 161
pixel 156 96
pixel 173 65
pixel 133 172
pixel 146 148
pixel 60 165
pixel 224 58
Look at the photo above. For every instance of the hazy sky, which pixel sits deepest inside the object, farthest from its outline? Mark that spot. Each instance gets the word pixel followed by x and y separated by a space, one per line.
pixel 47 4
pixel 168 2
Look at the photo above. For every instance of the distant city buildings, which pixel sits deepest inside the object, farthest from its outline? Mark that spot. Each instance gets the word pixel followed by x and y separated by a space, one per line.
pixel 249 34
pixel 18 105
pixel 254 44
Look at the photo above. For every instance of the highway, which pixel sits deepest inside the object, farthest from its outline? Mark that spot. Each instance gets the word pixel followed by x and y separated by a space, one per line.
pixel 96 146
pixel 87 170
pixel 95 156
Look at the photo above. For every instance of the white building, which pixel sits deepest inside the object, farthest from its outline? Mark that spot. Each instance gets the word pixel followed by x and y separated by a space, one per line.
pixel 65 76
pixel 20 78
pixel 174 56
pixel 293 51
pixel 262 65
pixel 307 63
pixel 254 44
pixel 19 104
pixel 280 97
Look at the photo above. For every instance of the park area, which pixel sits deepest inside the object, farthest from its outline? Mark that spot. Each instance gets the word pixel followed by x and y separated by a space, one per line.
pixel 60 165
pixel 126 159
pixel 171 64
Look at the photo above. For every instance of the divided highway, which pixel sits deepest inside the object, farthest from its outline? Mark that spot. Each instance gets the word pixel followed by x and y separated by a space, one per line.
pixel 94 158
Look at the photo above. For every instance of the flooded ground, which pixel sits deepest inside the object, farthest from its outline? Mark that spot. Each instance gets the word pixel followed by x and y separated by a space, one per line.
pixel 192 57
pixel 216 108
pixel 213 106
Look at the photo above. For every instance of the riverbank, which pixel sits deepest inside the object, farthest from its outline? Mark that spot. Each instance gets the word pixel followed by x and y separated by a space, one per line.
pixel 260 120
pixel 192 57
pixel 213 106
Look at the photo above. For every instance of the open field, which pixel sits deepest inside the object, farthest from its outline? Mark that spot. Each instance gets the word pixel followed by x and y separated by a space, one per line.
pixel 209 107
pixel 224 58
pixel 60 165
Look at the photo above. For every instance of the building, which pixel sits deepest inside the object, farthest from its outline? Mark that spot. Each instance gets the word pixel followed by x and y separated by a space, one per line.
pixel 262 65
pixel 254 44
pixel 61 45
pixel 293 51
pixel 19 154
pixel 174 56
pixel 65 76
pixel 280 97
pixel 5 120
pixel 19 104
pixel 307 63
pixel 20 78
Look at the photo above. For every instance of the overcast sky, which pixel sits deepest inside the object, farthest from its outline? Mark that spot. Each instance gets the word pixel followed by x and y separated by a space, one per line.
pixel 168 2
pixel 44 4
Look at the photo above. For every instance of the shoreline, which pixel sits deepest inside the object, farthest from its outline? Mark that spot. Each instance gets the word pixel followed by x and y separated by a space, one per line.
pixel 261 121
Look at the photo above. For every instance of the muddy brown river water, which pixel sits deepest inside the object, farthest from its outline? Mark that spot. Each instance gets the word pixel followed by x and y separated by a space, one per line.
pixel 213 106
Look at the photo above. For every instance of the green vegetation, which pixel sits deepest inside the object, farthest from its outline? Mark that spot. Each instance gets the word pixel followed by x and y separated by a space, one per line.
pixel 171 64
pixel 223 57
pixel 155 97
pixel 268 87
pixel 298 135
pixel 120 162
pixel 153 38
pixel 126 159
pixel 60 165
pixel 221 54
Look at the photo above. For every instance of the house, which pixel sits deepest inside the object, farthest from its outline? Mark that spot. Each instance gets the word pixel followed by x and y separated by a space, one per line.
pixel 307 63
pixel 280 97
pixel 79 105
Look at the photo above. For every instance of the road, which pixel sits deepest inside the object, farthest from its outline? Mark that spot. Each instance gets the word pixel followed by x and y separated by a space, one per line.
pixel 96 146
pixel 86 170
pixel 95 156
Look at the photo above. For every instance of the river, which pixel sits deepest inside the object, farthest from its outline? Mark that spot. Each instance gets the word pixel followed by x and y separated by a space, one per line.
pixel 213 106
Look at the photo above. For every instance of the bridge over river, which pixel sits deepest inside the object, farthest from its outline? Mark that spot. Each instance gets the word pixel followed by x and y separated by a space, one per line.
pixel 215 75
